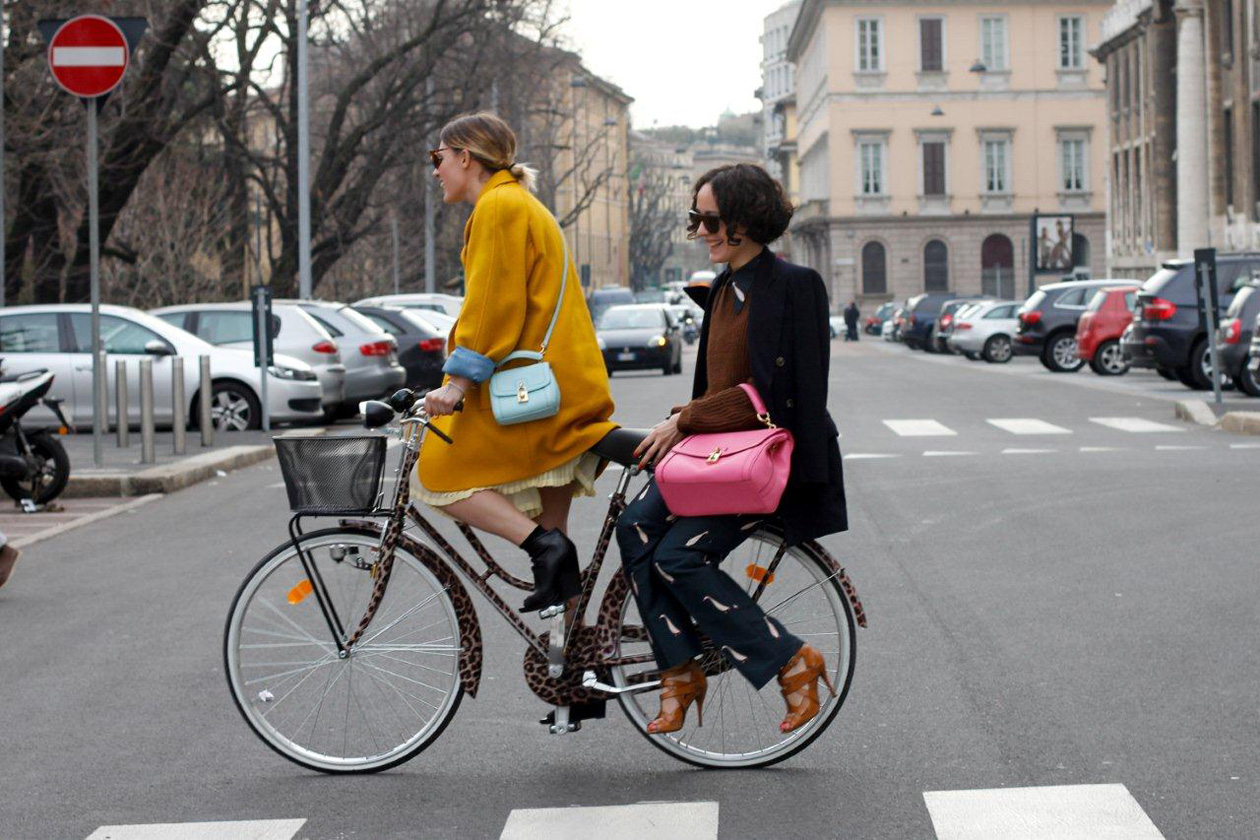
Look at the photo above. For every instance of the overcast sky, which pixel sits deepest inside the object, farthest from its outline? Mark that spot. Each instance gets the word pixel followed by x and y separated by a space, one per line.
pixel 655 50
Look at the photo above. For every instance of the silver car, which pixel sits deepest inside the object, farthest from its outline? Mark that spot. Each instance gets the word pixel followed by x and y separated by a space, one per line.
pixel 450 304
pixel 369 353
pixel 984 331
pixel 58 337
pixel 295 334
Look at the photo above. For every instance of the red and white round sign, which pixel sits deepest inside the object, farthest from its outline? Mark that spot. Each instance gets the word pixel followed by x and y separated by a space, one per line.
pixel 88 56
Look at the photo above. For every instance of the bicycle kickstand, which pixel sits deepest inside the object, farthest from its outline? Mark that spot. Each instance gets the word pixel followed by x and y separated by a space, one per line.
pixel 560 723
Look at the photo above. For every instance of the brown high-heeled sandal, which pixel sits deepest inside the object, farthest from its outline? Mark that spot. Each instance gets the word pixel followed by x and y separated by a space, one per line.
pixel 8 559
pixel 683 692
pixel 804 685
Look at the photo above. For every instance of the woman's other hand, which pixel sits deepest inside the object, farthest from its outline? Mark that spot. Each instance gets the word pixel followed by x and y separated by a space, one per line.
pixel 444 400
pixel 663 437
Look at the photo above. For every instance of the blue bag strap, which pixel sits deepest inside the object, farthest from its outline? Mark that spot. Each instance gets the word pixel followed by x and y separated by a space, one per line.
pixel 555 315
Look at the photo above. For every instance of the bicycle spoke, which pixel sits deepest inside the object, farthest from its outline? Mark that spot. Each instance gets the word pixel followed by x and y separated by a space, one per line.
pixel 409 612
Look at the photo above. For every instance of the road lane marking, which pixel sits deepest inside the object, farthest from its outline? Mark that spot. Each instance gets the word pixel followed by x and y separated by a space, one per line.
pixel 946 453
pixel 1177 448
pixel 1102 448
pixel 660 821
pixel 1028 451
pixel 1028 426
pixel 919 428
pixel 242 830
pixel 1244 446
pixel 867 456
pixel 1136 425
pixel 1066 812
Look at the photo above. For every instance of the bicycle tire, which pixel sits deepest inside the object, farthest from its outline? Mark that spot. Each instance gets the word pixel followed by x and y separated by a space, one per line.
pixel 792 743
pixel 287 747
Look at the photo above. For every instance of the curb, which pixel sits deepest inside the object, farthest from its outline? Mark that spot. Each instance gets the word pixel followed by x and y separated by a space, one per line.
pixel 1241 422
pixel 1195 411
pixel 167 478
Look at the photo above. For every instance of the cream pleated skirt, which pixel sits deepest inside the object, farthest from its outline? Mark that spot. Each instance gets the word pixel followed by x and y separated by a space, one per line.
pixel 523 494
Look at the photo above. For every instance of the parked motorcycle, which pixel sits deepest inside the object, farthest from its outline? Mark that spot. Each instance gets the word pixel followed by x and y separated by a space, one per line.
pixel 34 465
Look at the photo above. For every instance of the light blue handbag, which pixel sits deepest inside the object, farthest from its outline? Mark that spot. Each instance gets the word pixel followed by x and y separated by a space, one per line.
pixel 529 392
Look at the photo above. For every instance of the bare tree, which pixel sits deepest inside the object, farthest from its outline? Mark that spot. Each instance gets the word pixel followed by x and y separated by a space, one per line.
pixel 653 220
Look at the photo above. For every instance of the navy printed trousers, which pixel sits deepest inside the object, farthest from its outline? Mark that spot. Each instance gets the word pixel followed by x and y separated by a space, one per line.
pixel 672 564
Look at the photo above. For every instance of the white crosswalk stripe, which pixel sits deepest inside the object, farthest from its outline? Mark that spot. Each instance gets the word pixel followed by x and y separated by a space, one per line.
pixel 1028 451
pixel 1066 812
pixel 244 830
pixel 1136 425
pixel 1028 426
pixel 658 820
pixel 919 428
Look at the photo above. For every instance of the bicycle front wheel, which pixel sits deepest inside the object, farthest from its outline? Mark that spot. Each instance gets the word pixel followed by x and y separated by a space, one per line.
pixel 741 723
pixel 371 708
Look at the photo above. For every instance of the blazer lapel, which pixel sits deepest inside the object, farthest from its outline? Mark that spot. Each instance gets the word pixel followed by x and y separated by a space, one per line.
pixel 765 322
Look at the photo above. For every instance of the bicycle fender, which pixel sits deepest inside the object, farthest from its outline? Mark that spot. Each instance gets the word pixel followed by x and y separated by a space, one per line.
pixel 471 655
pixel 850 591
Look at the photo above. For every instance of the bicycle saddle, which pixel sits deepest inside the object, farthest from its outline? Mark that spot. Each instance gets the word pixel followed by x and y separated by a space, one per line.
pixel 618 445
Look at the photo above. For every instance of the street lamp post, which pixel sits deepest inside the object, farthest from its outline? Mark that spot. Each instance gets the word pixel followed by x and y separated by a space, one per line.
pixel 304 158
pixel 577 83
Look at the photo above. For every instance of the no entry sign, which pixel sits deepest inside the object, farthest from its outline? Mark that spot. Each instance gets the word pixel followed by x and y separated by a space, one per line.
pixel 88 56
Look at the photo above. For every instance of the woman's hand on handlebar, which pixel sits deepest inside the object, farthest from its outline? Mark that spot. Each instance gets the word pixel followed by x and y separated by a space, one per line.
pixel 663 437
pixel 445 400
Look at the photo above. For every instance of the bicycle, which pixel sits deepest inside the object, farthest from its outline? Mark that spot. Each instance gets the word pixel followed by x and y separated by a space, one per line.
pixel 361 699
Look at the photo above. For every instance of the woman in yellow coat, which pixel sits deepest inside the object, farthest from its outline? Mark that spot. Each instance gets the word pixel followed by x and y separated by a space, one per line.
pixel 515 481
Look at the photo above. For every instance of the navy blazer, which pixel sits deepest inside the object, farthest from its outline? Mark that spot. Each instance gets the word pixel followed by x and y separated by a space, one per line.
pixel 789 347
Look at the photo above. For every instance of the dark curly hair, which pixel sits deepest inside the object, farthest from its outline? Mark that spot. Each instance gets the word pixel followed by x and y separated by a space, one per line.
pixel 749 200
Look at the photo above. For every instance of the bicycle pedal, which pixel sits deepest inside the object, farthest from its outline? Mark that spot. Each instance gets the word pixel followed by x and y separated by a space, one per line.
pixel 578 712
pixel 552 611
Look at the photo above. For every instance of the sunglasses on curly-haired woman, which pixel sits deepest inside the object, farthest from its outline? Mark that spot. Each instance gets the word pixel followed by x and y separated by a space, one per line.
pixel 711 222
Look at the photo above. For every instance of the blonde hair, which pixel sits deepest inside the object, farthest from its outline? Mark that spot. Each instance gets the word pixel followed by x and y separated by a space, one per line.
pixel 491 141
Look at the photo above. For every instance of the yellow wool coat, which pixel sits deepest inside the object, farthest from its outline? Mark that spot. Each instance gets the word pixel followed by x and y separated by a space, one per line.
pixel 513 255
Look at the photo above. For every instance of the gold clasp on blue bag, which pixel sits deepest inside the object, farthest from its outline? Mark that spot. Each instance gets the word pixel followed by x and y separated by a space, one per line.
pixel 522 395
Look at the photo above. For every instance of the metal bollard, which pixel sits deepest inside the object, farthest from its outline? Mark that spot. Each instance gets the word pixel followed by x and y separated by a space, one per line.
pixel 206 391
pixel 121 397
pixel 179 418
pixel 103 396
pixel 147 453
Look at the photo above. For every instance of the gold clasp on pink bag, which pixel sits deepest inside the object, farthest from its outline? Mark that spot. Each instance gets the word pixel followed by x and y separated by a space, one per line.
pixel 714 455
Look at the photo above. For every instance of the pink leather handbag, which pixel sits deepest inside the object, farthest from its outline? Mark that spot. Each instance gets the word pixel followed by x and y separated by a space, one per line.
pixel 722 473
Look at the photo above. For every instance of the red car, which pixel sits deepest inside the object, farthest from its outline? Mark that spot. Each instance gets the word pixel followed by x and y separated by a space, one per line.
pixel 1098 332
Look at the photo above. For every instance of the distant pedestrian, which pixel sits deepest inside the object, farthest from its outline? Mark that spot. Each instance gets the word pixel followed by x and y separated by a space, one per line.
pixel 851 316
pixel 8 558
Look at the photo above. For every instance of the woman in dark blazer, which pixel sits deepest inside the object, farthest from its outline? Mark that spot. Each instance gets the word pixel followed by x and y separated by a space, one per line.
pixel 766 323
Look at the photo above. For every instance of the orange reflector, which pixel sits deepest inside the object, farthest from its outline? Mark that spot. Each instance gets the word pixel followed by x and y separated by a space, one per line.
pixel 759 573
pixel 63 431
pixel 299 592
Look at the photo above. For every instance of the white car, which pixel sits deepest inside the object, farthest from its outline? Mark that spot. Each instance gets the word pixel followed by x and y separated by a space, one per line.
pixel 450 304
pixel 57 337
pixel 985 331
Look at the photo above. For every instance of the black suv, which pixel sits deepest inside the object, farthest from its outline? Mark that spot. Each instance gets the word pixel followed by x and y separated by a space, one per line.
pixel 1235 335
pixel 1047 322
pixel 1252 377
pixel 921 313
pixel 1168 330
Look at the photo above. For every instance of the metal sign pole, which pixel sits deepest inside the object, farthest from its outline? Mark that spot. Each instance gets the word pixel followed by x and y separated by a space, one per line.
pixel 94 250
pixel 304 161
pixel 393 223
pixel 262 313
pixel 1209 312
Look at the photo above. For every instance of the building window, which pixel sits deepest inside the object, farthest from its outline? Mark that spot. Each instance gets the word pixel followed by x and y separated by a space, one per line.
pixel 871 166
pixel 1071 43
pixel 993 43
pixel 1227 29
pixel 997 267
pixel 997 165
pixel 1072 164
pixel 874 269
pixel 870 46
pixel 934 168
pixel 935 266
pixel 931 45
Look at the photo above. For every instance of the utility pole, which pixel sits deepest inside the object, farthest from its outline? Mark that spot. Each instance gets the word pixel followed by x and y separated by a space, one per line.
pixel 430 211
pixel 393 223
pixel 3 228
pixel 304 158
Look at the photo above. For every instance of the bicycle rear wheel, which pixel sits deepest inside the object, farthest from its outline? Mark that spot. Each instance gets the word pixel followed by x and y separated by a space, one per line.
pixel 380 704
pixel 741 723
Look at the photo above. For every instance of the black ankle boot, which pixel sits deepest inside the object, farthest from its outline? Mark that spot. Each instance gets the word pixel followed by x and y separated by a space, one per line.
pixel 554 560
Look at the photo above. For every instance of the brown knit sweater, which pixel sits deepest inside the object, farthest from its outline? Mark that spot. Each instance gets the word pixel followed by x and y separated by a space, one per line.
pixel 724 407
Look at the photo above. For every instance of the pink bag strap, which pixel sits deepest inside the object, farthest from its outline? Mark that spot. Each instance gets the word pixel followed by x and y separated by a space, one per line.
pixel 758 404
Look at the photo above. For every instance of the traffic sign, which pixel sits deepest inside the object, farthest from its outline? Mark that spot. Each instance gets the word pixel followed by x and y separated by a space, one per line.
pixel 88 56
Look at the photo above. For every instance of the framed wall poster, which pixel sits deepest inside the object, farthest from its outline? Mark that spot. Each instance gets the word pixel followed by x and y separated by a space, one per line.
pixel 1053 237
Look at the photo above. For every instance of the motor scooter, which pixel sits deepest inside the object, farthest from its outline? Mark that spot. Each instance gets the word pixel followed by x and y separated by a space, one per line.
pixel 34 466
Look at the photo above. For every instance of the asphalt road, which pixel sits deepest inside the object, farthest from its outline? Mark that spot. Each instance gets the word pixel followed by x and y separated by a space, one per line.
pixel 1047 608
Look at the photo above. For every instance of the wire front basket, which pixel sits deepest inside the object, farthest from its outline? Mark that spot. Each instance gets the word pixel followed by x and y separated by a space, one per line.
pixel 328 475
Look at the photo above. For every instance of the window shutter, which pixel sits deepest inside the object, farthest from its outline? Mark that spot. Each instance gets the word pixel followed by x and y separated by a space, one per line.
pixel 933 168
pixel 930 52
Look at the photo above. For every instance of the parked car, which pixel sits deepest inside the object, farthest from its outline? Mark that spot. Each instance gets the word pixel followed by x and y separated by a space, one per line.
pixel 1168 330
pixel 1250 383
pixel 601 299
pixel 369 353
pixel 293 333
pixel 898 321
pixel 1108 315
pixel 448 304
pixel 985 331
pixel 874 324
pixel 421 345
pixel 1048 319
pixel 639 336
pixel 921 314
pixel 835 325
pixel 938 333
pixel 1234 338
pixel 58 338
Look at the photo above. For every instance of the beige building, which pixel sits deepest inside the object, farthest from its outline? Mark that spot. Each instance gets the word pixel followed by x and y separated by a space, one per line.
pixel 929 133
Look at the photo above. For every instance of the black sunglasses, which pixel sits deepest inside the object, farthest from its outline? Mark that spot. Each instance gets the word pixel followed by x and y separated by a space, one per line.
pixel 435 155
pixel 695 218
